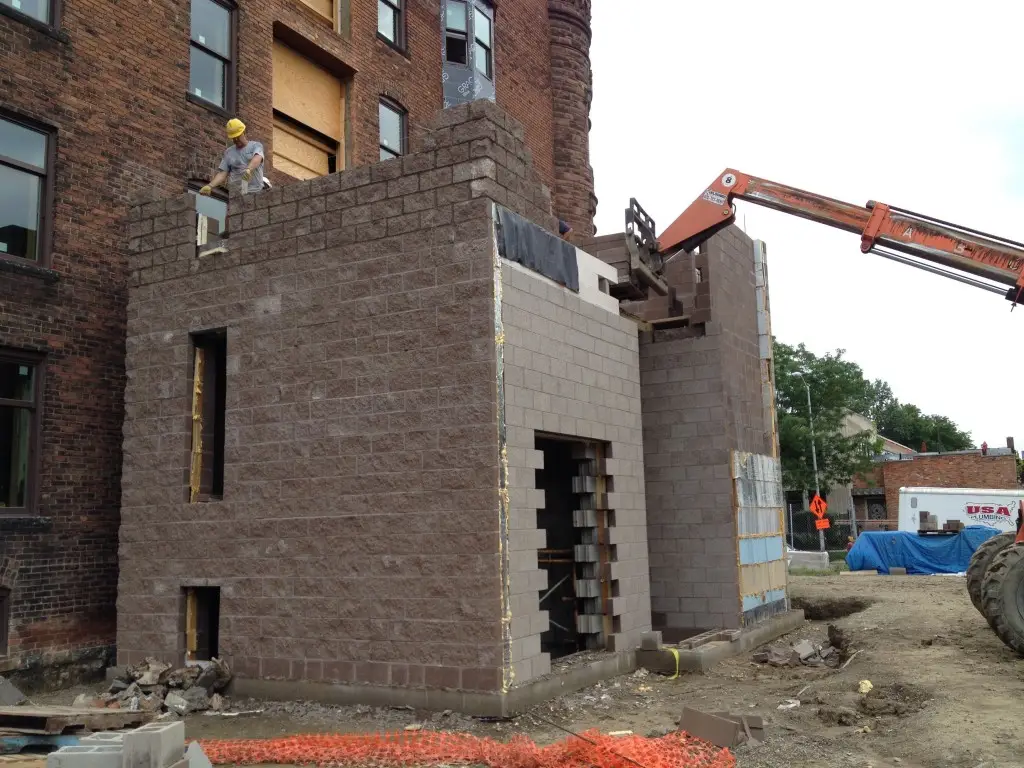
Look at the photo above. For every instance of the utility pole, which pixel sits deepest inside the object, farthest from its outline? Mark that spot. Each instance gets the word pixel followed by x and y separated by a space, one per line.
pixel 814 454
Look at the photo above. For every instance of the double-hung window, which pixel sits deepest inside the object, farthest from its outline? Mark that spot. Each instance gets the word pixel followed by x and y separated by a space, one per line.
pixel 20 387
pixel 456 32
pixel 211 61
pixel 24 177
pixel 391 22
pixel 392 129
pixel 482 46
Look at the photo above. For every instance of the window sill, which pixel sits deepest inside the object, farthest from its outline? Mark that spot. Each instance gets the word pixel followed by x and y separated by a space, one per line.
pixel 403 52
pixel 49 30
pixel 18 266
pixel 24 522
pixel 208 105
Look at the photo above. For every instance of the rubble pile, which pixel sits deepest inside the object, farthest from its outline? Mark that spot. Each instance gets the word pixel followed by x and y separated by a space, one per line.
pixel 154 686
pixel 808 654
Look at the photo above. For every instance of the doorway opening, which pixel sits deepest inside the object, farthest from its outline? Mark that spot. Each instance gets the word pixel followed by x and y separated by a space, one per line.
pixel 202 623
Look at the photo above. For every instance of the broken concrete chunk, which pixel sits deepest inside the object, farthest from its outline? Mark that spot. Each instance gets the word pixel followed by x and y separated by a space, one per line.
pixel 717 730
pixel 805 649
pixel 214 677
pixel 176 703
pixel 184 678
pixel 132 691
pixel 197 699
pixel 87 700
pixel 216 702
pixel 10 696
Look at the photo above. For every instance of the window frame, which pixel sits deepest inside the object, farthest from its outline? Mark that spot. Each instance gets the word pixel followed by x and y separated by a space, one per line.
pixel 457 34
pixel 488 47
pixel 220 194
pixel 35 408
pixel 403 128
pixel 230 64
pixel 50 27
pixel 46 201
pixel 400 41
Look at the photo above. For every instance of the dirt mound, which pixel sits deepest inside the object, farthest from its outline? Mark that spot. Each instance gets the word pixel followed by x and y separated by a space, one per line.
pixel 829 608
pixel 898 699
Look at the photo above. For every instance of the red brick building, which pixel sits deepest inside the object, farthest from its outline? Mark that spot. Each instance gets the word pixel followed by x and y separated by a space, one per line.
pixel 877 496
pixel 106 104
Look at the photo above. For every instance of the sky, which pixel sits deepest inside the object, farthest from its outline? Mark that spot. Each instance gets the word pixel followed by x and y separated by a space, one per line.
pixel 919 105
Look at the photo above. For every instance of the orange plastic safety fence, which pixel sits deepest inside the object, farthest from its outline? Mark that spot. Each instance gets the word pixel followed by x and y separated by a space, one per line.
pixel 592 749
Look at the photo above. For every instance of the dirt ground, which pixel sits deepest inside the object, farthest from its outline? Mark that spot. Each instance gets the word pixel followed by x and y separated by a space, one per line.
pixel 947 692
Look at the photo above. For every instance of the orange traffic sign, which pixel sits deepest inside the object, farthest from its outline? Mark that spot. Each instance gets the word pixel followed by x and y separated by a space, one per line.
pixel 818 506
pixel 822 524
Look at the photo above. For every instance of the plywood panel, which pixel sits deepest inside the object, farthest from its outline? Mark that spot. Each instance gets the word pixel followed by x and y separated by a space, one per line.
pixel 324 7
pixel 308 93
pixel 298 156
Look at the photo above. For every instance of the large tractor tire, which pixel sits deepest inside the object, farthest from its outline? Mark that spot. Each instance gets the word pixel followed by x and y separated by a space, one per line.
pixel 980 561
pixel 1003 595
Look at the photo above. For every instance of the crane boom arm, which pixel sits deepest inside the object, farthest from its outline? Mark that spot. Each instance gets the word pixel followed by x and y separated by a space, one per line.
pixel 882 229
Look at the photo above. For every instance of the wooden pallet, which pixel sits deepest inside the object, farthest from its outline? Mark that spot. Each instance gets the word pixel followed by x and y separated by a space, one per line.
pixel 56 720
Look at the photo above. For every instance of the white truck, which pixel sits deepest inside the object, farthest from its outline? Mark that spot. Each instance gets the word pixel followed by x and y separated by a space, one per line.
pixel 992 507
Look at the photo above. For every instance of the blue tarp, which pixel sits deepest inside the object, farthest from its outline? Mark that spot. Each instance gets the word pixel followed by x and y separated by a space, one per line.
pixel 882 550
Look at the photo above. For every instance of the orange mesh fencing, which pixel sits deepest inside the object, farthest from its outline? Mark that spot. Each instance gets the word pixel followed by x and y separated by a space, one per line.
pixel 422 749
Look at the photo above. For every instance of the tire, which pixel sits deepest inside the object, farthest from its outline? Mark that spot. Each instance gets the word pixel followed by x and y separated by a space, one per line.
pixel 980 561
pixel 1003 593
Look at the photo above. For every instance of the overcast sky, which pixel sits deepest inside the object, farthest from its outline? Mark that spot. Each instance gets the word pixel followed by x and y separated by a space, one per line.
pixel 904 102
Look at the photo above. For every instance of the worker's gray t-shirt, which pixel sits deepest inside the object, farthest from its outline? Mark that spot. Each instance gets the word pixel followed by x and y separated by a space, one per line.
pixel 236 160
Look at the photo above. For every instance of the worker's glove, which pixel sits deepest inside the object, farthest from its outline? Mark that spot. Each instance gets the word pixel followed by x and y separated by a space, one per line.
pixel 206 190
pixel 247 174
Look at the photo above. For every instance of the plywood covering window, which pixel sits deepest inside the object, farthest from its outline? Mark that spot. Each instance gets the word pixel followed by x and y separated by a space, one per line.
pixel 323 7
pixel 309 110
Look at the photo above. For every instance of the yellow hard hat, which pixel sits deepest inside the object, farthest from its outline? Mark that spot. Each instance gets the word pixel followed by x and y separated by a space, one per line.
pixel 235 128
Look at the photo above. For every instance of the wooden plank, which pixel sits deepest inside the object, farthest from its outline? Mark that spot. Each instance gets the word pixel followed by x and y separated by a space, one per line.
pixel 196 465
pixel 56 720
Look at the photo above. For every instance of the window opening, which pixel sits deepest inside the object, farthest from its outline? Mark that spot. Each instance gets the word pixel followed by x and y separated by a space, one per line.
pixel 209 384
pixel 210 60
pixel 390 24
pixel 19 392
pixel 24 155
pixel 456 33
pixel 482 46
pixel 392 120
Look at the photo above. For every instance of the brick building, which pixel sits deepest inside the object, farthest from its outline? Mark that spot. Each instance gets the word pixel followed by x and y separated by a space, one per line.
pixel 106 104
pixel 877 495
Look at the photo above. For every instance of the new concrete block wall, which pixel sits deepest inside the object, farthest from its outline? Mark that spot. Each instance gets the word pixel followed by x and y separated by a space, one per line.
pixel 358 537
pixel 571 368
pixel 702 399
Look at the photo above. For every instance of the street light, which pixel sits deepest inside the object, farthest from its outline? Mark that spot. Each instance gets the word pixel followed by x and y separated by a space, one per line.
pixel 814 452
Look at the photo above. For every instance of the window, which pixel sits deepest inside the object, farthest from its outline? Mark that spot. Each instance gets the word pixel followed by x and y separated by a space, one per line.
pixel 19 413
pixel 25 156
pixel 213 206
pixel 209 403
pixel 309 124
pixel 482 47
pixel 5 619
pixel 392 130
pixel 211 62
pixel 390 22
pixel 455 35
pixel 40 10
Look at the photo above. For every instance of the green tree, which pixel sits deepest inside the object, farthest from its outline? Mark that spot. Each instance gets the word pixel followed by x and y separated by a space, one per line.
pixel 837 388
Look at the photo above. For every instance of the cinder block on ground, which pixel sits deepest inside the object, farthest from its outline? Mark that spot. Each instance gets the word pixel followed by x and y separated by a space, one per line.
pixel 650 641
pixel 154 745
pixel 897 571
pixel 103 737
pixel 94 756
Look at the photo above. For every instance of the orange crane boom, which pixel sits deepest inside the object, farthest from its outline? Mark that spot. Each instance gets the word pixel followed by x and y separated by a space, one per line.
pixel 895 233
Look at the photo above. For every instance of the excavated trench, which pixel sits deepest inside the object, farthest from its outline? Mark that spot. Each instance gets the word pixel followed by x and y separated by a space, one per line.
pixel 829 608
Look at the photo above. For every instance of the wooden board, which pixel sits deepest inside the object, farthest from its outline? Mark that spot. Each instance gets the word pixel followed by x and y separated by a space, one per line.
pixel 55 720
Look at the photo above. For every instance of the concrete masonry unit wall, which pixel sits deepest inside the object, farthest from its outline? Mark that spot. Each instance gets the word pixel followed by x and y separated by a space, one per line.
pixel 702 399
pixel 571 368
pixel 359 539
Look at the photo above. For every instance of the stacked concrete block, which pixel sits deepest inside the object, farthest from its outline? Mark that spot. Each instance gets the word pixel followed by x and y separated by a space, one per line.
pixel 155 745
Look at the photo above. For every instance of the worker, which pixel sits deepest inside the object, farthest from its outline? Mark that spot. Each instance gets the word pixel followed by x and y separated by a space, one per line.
pixel 242 161
pixel 564 229
pixel 849 543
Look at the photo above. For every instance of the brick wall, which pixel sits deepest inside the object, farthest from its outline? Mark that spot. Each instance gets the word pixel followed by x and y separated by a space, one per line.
pixel 358 537
pixel 701 395
pixel 571 369
pixel 112 83
pixel 953 470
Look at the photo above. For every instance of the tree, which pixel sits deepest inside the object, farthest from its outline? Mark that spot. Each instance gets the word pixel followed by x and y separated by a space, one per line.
pixel 838 387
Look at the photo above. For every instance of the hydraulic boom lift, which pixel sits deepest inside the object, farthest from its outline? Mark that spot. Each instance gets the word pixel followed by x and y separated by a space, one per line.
pixel 985 261
pixel 995 578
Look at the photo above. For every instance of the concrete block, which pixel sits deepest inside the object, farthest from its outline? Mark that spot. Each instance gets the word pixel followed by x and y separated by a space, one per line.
pixel 897 571
pixel 93 756
pixel 650 641
pixel 196 757
pixel 155 745
pixel 103 737
pixel 9 695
